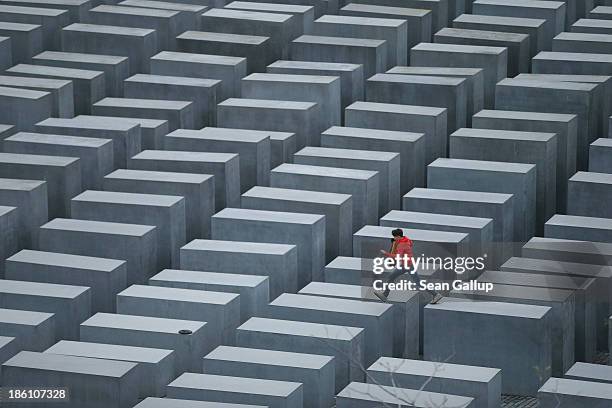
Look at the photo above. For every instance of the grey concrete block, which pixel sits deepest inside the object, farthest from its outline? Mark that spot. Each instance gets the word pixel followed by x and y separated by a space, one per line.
pixel 23 107
pixel 8 348
pixel 410 146
pixel 512 326
pixel 283 145
pixel 184 403
pixel 253 289
pixel 9 242
pixel 579 228
pixel 34 331
pixel 575 393
pixel 315 372
pixel 126 135
pixel 70 304
pixel 50 19
pixel 104 276
pixel 592 25
pixel 6 54
pixel 363 185
pixel 30 196
pixel 220 310
pixel 94 382
pixel 136 244
pixel 26 40
pixel 209 387
pixel 586 189
pixel 253 149
pixel 153 332
pixel 276 261
pixel 303 15
pixel 597 253
pixel 223 166
pixel 439 9
pixel 76 8
pixel 166 213
pixel 590 372
pixel 189 14
pixel 138 44
pixel 61 91
pixel 156 365
pixel 346 344
pixel 598 156
pixel 6 131
pixel 152 131
pixel 198 190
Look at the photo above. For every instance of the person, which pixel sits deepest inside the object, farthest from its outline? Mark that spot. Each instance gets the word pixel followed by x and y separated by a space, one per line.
pixel 402 246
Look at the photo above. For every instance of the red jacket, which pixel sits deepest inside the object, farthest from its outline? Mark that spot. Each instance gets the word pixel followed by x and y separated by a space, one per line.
pixel 401 247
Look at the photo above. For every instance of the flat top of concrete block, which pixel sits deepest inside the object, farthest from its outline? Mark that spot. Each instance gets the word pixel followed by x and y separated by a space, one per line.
pixel 592 22
pixel 45 138
pixel 524 115
pixel 314 65
pixel 569 245
pixel 393 396
pixel 460 48
pixel 602 9
pixel 110 30
pixel 109 351
pixel 396 108
pixel 362 133
pixel 269 357
pixel 582 389
pixel 213 278
pixel 268 216
pixel 178 294
pixel 98 227
pixel 248 15
pixel 5 340
pixel 161 176
pixel 286 194
pixel 273 7
pixel 330 304
pixel 587 37
pixel 580 222
pixel 280 136
pixel 482 34
pixel 535 279
pixel 539 294
pixel 268 104
pixel 151 402
pixel 339 41
pixel 415 234
pixel 139 199
pixel 506 167
pixel 243 385
pixel 504 134
pixel 322 171
pixel 37 159
pixel 435 369
pixel 134 11
pixel 23 317
pixel 239 246
pixel 302 329
pixel 56 71
pixel 164 104
pixel 602 142
pixel 564 268
pixel 33 82
pixel 22 93
pixel 599 79
pixel 172 80
pixel 89 123
pixel 20 184
pixel 66 260
pixel 81 57
pixel 341 290
pixel 392 11
pixel 192 8
pixel 416 79
pixel 353 154
pixel 361 21
pixel 436 219
pixel 492 308
pixel 346 262
pixel 54 2
pixel 501 21
pixel 7 25
pixel 142 323
pixel 592 177
pixel 592 371
pixel 35 11
pixel 524 3
pixel 130 122
pixel 573 56
pixel 223 37
pixel 198 58
pixel 220 134
pixel 292 78
pixel 173 155
pixel 441 71
pixel 6 209
pixel 458 195
pixel 70 364
pixel 29 288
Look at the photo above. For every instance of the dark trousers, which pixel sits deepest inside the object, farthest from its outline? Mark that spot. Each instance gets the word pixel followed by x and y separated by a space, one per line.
pixel 414 277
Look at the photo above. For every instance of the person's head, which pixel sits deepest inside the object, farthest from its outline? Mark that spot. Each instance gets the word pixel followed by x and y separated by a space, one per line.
pixel 397 233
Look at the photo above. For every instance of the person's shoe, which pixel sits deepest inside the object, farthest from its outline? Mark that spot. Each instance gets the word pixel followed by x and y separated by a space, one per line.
pixel 381 295
pixel 436 299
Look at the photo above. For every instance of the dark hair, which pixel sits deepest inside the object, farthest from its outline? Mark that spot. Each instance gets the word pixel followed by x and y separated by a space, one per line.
pixel 397 232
